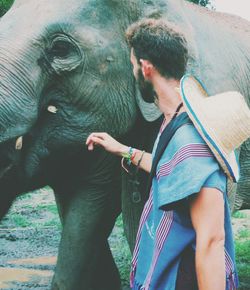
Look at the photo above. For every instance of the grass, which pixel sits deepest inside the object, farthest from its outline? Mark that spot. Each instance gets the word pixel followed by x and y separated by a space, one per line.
pixel 52 208
pixel 26 196
pixel 239 215
pixel 31 211
pixel 242 249
pixel 19 220
pixel 243 234
pixel 55 222
pixel 120 250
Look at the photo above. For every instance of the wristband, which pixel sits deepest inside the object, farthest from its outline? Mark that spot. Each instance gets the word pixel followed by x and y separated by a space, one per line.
pixel 139 161
pixel 130 155
pixel 127 154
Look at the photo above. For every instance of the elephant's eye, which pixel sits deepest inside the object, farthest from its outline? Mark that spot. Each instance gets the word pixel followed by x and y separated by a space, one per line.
pixel 64 54
pixel 61 48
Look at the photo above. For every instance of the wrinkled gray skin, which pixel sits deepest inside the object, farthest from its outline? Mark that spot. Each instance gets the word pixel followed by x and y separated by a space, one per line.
pixel 72 54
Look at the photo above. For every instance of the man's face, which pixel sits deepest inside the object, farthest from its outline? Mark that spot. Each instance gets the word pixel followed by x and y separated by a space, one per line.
pixel 146 88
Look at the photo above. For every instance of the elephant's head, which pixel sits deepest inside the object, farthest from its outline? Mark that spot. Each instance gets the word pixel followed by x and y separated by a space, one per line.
pixel 64 72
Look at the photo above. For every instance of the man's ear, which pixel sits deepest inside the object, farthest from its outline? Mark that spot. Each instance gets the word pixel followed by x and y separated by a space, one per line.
pixel 147 68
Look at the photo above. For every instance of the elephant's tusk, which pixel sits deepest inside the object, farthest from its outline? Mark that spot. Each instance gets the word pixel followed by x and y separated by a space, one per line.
pixel 19 143
pixel 52 109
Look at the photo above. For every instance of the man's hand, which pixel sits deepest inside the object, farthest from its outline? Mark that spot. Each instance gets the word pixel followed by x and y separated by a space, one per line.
pixel 107 142
pixel 113 146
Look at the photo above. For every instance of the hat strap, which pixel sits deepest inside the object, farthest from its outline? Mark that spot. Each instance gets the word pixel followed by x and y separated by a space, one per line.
pixel 177 111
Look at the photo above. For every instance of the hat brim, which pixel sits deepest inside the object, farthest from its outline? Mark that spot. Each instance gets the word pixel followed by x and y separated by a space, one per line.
pixel 228 162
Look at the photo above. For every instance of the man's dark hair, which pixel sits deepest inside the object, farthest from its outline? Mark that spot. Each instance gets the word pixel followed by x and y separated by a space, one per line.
pixel 161 43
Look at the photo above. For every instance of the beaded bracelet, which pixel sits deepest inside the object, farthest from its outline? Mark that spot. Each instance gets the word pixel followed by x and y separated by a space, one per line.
pixel 130 155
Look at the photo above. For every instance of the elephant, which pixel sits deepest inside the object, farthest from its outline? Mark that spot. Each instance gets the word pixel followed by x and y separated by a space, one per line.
pixel 64 73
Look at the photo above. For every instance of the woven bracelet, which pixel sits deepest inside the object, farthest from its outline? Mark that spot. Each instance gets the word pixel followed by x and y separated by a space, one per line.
pixel 130 155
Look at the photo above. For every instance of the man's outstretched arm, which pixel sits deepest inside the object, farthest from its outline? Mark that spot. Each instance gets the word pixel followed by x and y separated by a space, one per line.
pixel 113 146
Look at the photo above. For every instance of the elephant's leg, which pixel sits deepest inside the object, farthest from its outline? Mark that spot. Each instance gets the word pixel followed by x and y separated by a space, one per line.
pixel 5 204
pixel 85 232
pixel 106 276
pixel 88 215
pixel 243 189
pixel 9 194
pixel 62 201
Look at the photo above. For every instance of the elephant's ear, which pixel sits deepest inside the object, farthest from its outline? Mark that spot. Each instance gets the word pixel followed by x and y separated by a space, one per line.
pixel 149 110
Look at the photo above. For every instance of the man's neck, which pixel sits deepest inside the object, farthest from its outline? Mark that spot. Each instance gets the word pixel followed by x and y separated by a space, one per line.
pixel 168 94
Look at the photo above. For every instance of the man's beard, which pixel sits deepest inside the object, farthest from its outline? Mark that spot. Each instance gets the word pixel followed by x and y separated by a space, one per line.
pixel 146 88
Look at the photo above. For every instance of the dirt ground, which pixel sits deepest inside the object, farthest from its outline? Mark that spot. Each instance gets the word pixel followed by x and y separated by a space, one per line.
pixel 29 238
pixel 28 246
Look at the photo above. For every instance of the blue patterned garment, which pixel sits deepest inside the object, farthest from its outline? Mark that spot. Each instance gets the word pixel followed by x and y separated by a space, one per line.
pixel 165 229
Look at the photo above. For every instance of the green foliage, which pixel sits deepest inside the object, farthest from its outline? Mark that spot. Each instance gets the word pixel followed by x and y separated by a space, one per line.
pixel 242 259
pixel 5 6
pixel 239 215
pixel 201 2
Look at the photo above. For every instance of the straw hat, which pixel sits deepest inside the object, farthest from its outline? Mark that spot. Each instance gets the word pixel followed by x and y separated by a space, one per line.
pixel 223 121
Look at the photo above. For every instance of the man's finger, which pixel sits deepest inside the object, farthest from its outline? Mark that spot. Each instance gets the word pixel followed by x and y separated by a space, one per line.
pixel 97 140
pixel 89 138
pixel 101 135
pixel 91 146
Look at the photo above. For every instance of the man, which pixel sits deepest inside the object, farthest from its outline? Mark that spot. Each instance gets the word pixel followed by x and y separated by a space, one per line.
pixel 184 241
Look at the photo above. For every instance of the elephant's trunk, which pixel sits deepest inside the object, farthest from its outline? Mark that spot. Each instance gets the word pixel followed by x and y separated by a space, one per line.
pixel 18 99
pixel 21 78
